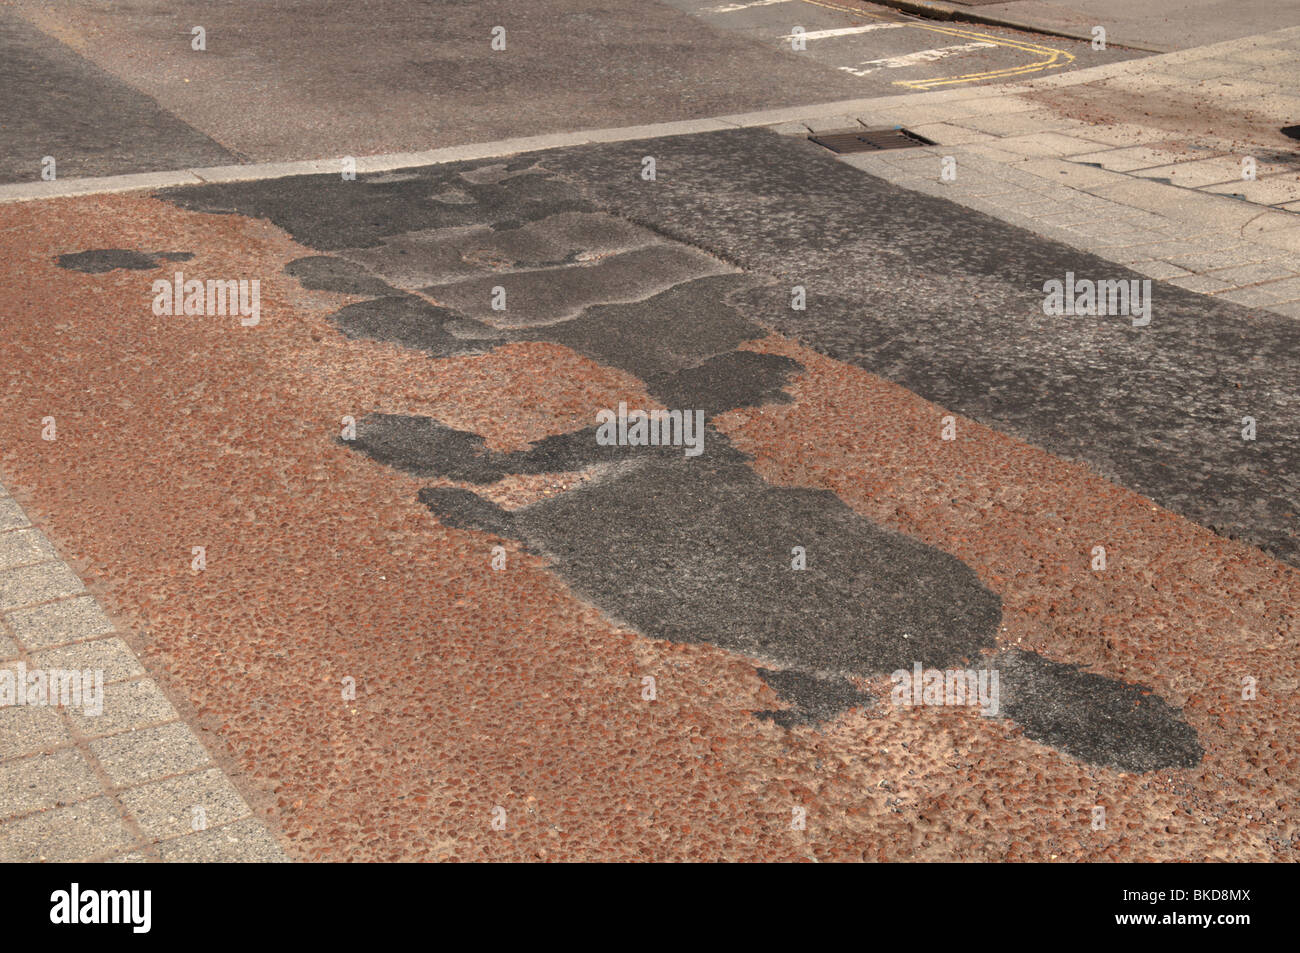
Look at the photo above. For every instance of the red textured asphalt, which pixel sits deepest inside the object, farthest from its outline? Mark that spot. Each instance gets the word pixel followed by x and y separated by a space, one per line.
pixel 478 689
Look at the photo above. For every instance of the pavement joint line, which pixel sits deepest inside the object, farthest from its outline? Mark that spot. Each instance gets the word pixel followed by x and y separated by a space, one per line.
pixel 82 747
pixel 180 837
pixel 23 607
pixel 65 788
pixel 72 743
pixel 1201 189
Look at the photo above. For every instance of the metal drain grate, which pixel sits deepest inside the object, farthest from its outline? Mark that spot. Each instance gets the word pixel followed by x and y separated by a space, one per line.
pixel 869 140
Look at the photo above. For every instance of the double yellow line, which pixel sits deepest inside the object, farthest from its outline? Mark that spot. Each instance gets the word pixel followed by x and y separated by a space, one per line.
pixel 1055 58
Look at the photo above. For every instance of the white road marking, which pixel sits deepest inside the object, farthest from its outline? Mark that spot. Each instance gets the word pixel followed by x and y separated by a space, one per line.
pixel 734 7
pixel 844 31
pixel 911 59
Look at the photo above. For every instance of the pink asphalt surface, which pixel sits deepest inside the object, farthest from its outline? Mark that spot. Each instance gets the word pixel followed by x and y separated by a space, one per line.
pixel 478 689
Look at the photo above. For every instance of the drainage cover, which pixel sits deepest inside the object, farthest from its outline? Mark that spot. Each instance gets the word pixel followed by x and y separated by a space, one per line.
pixel 869 140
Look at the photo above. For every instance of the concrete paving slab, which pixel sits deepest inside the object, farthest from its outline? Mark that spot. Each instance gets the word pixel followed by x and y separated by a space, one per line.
pixel 82 831
pixel 185 805
pixel 42 781
pixel 24 548
pixel 136 757
pixel 126 706
pixel 1270 190
pixel 112 656
pixel 243 840
pixel 1127 159
pixel 29 730
pixel 56 623
pixel 34 584
pixel 1253 274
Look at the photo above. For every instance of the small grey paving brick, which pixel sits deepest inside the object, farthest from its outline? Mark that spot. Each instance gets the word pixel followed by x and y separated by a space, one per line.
pixel 113 656
pixel 78 832
pixel 167 808
pixel 23 547
pixel 1199 283
pixel 126 706
pixel 1259 296
pixel 33 584
pixel 1225 258
pixel 31 729
pixel 246 840
pixel 1286 290
pixel 43 781
pixel 138 756
pixel 1161 270
pixel 58 622
pixel 1253 274
pixel 1289 308
pixel 1152 251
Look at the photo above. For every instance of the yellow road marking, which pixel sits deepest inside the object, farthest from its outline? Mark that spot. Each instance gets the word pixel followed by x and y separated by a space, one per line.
pixel 1055 58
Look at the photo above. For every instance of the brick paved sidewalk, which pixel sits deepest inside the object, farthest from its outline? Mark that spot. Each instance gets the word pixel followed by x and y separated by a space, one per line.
pixel 118 776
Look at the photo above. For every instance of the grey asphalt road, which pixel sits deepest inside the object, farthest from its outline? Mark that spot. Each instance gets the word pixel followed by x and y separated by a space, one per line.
pixel 122 89
pixel 57 103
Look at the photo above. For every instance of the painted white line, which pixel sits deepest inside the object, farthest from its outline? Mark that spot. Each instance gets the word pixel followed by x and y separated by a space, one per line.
pixel 736 7
pixel 844 31
pixel 911 59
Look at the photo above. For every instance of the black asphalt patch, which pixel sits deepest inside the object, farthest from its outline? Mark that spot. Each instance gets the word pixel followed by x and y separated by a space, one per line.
pixel 415 323
pixel 676 329
pixel 814 698
pixel 1094 718
pixel 328 273
pixel 58 104
pixel 96 261
pixel 940 299
pixel 683 547
pixel 550 295
pixel 722 383
pixel 948 302
pixel 330 213
pixel 700 550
